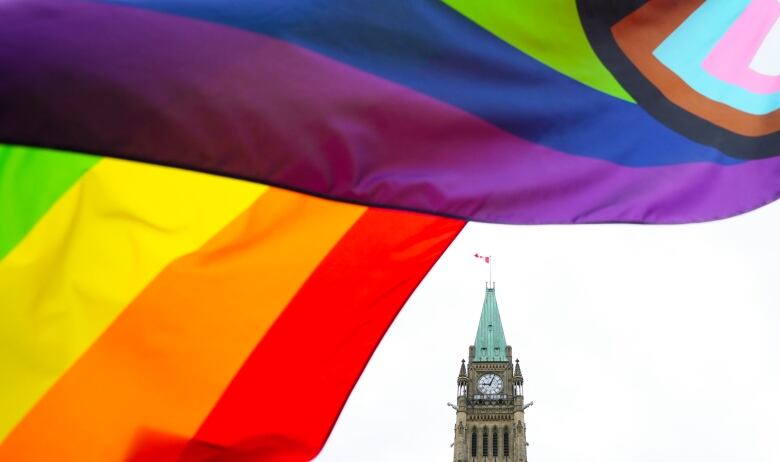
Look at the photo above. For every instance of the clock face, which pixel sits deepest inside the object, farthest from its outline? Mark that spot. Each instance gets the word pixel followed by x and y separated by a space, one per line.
pixel 490 384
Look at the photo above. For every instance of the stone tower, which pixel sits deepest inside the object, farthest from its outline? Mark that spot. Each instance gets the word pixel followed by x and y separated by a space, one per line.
pixel 490 423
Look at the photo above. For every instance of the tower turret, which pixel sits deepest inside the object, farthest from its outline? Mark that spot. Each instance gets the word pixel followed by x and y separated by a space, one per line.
pixel 518 379
pixel 463 379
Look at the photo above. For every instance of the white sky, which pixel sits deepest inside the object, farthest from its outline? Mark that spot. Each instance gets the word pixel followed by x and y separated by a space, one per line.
pixel 637 343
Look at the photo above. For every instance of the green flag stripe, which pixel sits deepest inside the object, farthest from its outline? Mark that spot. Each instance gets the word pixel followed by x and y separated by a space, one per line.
pixel 549 31
pixel 31 181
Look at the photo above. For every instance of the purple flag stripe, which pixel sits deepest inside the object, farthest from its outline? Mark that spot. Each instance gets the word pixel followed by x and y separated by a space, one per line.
pixel 176 91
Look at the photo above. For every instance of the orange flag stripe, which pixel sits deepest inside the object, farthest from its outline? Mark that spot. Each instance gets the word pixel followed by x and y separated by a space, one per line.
pixel 163 364
pixel 330 329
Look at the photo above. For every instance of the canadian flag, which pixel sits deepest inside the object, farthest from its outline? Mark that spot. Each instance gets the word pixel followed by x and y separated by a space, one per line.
pixel 486 258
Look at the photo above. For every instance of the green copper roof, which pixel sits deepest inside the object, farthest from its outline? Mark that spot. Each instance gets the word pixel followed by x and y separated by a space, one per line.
pixel 490 344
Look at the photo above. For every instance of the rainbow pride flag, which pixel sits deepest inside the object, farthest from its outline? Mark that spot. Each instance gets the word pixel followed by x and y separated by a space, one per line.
pixel 197 195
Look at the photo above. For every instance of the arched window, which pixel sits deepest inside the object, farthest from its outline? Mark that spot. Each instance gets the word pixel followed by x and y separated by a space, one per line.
pixel 506 442
pixel 484 442
pixel 474 442
pixel 495 442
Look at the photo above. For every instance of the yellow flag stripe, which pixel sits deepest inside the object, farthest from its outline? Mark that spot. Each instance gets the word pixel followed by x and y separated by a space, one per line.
pixel 164 362
pixel 88 257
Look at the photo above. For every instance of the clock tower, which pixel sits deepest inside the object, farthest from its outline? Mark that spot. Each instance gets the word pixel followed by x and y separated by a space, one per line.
pixel 490 422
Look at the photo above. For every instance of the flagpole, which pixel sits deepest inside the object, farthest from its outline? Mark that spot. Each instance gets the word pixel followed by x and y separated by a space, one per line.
pixel 489 260
pixel 490 265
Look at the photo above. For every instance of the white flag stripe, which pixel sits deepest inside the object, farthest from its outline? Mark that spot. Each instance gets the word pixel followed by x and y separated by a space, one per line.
pixel 767 58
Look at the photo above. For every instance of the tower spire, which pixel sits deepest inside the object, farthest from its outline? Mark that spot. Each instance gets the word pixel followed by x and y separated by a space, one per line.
pixel 490 344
